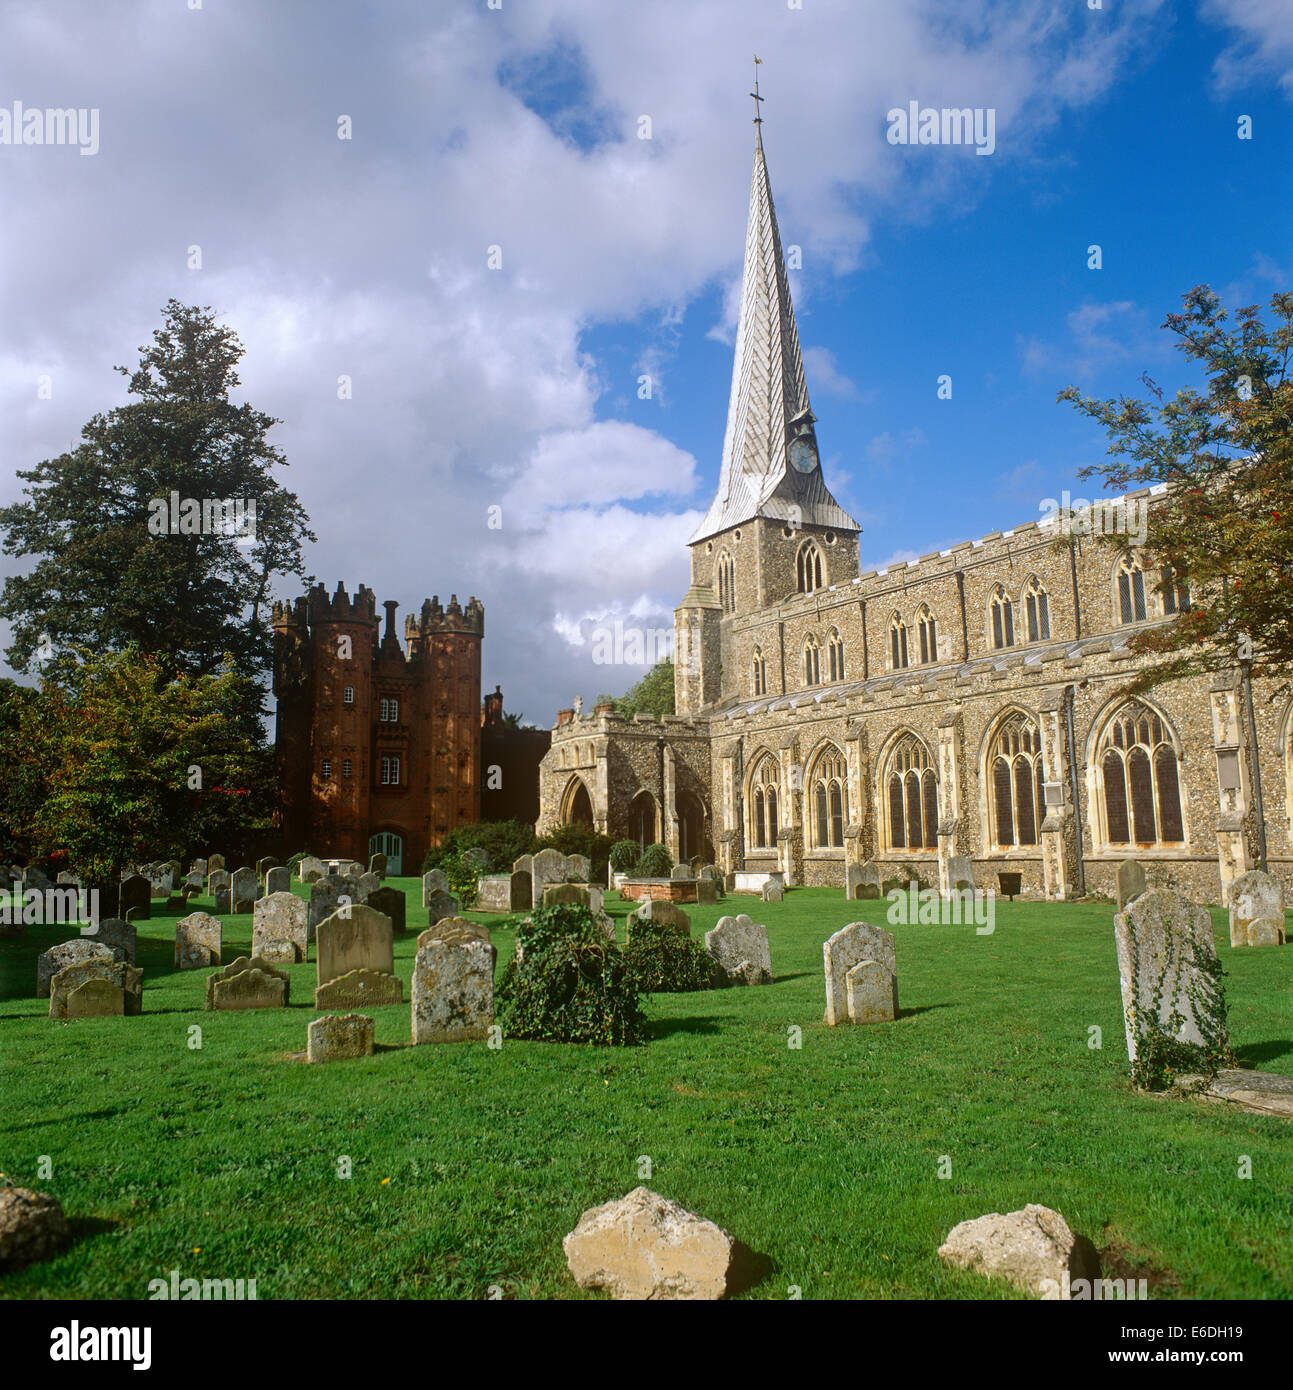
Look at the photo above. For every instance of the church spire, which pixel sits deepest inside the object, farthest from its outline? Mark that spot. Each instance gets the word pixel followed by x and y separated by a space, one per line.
pixel 769 421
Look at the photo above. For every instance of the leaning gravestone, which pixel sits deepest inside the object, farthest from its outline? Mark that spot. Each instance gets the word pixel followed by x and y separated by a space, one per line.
pixel 311 868
pixel 368 883
pixel 851 946
pixel 136 895
pixel 197 941
pixel 280 930
pixel 1256 910
pixel 119 935
pixel 80 948
pixel 739 946
pixel 1172 997
pixel 377 864
pixel 244 889
pixel 960 872
pixel 277 880
pixel 1131 882
pixel 129 979
pixel 339 1037
pixel 453 983
pixel 392 903
pixel 433 881
pixel 355 952
pixel 248 984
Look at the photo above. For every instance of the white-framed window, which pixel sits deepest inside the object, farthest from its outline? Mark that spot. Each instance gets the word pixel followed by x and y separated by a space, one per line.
pixel 389 711
pixel 390 769
pixel 348 695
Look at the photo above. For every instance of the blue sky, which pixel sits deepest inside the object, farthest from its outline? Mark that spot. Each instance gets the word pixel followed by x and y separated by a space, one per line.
pixel 514 388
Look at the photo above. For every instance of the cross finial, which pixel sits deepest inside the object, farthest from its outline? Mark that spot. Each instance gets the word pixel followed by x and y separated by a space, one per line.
pixel 758 120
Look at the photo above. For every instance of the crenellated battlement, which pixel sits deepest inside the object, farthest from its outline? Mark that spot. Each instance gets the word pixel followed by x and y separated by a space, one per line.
pixel 433 618
pixel 341 608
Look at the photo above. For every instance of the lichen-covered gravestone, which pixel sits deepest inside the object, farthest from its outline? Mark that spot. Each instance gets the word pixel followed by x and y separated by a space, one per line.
pixel 248 984
pixel 494 893
pixel 739 946
pixel 1256 910
pixel 244 889
pixel 355 952
pixel 1131 881
pixel 280 929
pixel 66 953
pixel 1173 1003
pixel 549 868
pixel 218 881
pixel 660 911
pixel 119 935
pixel 433 881
pixel 311 868
pixel 774 891
pixel 330 894
pixel 277 880
pixel 197 941
pixel 567 894
pixel 578 866
pixel 453 983
pixel 441 904
pixel 367 884
pixel 129 979
pixel 338 1037
pixel 852 946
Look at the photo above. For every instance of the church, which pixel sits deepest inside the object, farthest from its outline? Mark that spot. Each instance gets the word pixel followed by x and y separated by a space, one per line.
pixel 968 703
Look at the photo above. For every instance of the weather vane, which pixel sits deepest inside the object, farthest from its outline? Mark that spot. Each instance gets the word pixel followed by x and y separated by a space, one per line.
pixel 758 120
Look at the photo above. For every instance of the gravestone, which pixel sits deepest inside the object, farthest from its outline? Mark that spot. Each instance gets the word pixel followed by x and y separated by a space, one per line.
pixel 195 879
pixel 136 895
pixel 560 894
pixel 244 889
pixel 477 859
pixel 1170 977
pixel 161 880
pixel 199 866
pixel 549 868
pixel 872 993
pixel 80 948
pixel 711 871
pixel 706 890
pixel 263 866
pixel 355 953
pixel 197 941
pixel 328 895
pixel 960 872
pixel 524 865
pixel 695 864
pixel 218 880
pixel 739 946
pixel 393 904
pixel 579 867
pixel 440 904
pixel 280 930
pixel 95 998
pixel 658 910
pixel 215 862
pixel 453 983
pixel 1256 910
pixel 433 881
pixel 223 902
pixel 339 1037
pixel 863 881
pixel 119 935
pixel 494 893
pixel 850 947
pixel 680 871
pixel 129 979
pixel 1131 882
pixel 310 869
pixel 278 880
pixel 368 883
pixel 522 890
pixel 377 864
pixel 774 890
pixel 248 984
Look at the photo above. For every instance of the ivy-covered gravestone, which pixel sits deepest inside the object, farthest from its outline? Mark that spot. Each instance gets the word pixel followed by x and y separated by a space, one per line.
pixel 1173 1002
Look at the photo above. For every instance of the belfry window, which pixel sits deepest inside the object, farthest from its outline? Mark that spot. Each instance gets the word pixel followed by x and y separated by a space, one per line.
pixel 897 643
pixel 1038 609
pixel 1131 591
pixel 928 636
pixel 1003 619
pixel 808 567
pixel 812 662
pixel 835 654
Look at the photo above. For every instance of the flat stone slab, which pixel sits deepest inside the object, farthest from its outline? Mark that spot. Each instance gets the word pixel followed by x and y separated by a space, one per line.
pixel 1261 1092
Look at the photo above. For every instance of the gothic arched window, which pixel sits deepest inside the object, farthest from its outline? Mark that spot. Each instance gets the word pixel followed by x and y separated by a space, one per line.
pixel 1014 781
pixel 1176 595
pixel 1140 779
pixel 1037 606
pixel 897 643
pixel 1131 590
pixel 835 654
pixel 911 796
pixel 808 568
pixel 828 797
pixel 1001 614
pixel 762 803
pixel 928 635
pixel 726 570
pixel 759 672
pixel 812 662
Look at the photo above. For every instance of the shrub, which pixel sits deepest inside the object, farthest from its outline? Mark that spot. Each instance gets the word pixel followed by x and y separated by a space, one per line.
pixel 572 984
pixel 460 874
pixel 580 839
pixel 655 862
pixel 504 842
pixel 661 960
pixel 624 855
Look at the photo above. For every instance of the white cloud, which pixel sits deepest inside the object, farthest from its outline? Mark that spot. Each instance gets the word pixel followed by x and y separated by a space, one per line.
pixel 1263 46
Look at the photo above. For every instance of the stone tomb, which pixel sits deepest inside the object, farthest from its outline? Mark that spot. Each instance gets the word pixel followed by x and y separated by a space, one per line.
pixel 126 980
pixel 1168 969
pixel 280 929
pixel 739 946
pixel 73 952
pixel 861 975
pixel 1256 910
pixel 453 983
pixel 392 903
pixel 248 984
pixel 197 941
pixel 355 953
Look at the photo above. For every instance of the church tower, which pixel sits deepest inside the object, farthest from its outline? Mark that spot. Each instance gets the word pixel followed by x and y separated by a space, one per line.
pixel 773 528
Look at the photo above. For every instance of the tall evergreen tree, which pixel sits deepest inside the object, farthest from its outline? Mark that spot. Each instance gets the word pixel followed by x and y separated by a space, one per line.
pixel 112 572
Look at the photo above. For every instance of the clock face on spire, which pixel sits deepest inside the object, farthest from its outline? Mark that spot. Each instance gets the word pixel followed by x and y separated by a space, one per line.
pixel 803 453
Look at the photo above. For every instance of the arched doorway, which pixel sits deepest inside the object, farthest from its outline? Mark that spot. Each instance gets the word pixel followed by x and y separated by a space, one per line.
pixel 390 844
pixel 642 820
pixel 691 828
pixel 577 806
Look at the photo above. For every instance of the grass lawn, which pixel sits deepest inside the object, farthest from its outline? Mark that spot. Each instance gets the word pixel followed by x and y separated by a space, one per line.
pixel 470 1164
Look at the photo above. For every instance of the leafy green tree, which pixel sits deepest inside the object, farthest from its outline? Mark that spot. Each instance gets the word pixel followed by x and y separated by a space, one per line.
pixel 137 765
pixel 580 839
pixel 1225 523
pixel 105 579
pixel 652 695
pixel 22 789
